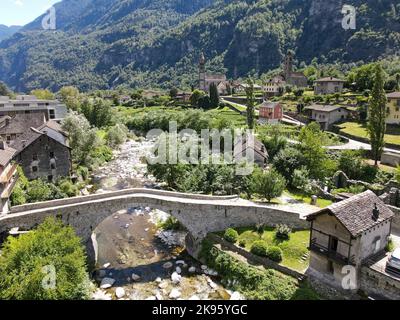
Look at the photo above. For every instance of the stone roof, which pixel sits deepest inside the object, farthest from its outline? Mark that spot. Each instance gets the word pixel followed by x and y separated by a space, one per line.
pixel 330 79
pixel 18 123
pixel 323 108
pixel 356 213
pixel 269 104
pixel 395 95
pixel 6 154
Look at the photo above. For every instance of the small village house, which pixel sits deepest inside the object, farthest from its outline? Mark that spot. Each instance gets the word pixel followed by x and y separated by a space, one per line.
pixel 270 112
pixel 274 87
pixel 251 145
pixel 326 115
pixel 328 85
pixel 44 152
pixel 11 128
pixel 8 176
pixel 393 108
pixel 348 233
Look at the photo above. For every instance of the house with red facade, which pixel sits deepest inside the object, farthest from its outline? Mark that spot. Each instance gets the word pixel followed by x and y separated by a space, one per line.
pixel 270 112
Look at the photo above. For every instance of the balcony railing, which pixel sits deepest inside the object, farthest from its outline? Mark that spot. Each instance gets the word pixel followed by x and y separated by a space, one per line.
pixel 8 173
pixel 334 255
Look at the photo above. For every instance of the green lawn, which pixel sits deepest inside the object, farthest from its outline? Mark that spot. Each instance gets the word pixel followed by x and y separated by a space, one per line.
pixel 359 130
pixel 293 249
pixel 322 203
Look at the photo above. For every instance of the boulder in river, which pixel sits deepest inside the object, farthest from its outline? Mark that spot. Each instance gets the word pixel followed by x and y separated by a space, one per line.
pixel 107 283
pixel 135 277
pixel 168 265
pixel 120 292
pixel 175 294
pixel 176 278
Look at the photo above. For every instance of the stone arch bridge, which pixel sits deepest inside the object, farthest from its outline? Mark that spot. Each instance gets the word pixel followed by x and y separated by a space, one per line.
pixel 200 214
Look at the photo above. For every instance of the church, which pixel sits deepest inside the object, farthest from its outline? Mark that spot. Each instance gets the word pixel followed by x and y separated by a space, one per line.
pixel 206 79
pixel 297 79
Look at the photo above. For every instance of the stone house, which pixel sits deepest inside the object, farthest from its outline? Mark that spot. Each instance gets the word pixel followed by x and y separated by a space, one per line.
pixel 270 112
pixel 328 85
pixel 253 145
pixel 44 152
pixel 326 115
pixel 393 108
pixel 11 128
pixel 348 233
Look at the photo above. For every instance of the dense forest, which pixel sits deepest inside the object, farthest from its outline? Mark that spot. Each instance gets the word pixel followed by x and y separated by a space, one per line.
pixel 156 43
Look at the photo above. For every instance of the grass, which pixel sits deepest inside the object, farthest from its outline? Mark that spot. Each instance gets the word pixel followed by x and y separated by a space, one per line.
pixel 359 130
pixel 322 203
pixel 293 249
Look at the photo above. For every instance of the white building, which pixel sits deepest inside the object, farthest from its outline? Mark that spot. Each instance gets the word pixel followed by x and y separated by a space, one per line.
pixel 326 115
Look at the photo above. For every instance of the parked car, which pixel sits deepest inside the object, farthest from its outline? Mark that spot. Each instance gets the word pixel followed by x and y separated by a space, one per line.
pixel 394 260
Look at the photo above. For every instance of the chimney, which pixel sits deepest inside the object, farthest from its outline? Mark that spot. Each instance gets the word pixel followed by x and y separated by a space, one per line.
pixel 3 145
pixel 375 213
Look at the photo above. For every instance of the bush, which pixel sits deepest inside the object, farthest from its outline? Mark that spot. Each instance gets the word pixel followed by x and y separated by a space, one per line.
pixel 52 246
pixel 170 224
pixel 259 248
pixel 283 232
pixel 275 254
pixel 390 246
pixel 231 235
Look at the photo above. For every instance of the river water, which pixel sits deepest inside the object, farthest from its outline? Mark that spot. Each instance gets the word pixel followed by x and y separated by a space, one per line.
pixel 137 261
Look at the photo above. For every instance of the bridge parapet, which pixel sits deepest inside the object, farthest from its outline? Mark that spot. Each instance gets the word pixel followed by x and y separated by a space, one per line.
pixel 105 195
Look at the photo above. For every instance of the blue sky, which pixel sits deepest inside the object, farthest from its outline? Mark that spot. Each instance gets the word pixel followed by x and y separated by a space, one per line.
pixel 21 12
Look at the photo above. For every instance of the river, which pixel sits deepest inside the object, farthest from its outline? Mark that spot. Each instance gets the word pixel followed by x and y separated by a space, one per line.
pixel 136 261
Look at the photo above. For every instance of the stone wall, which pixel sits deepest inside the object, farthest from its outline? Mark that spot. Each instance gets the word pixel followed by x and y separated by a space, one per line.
pixel 42 148
pixel 375 282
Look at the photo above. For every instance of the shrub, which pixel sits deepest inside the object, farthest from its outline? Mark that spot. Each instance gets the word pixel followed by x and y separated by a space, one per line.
pixel 24 260
pixel 283 232
pixel 259 248
pixel 170 224
pixel 231 235
pixel 390 246
pixel 242 243
pixel 275 254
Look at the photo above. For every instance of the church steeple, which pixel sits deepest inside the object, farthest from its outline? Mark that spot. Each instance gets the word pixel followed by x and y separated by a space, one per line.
pixel 202 72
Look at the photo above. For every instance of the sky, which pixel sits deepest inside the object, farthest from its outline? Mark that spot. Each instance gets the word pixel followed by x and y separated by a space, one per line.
pixel 21 12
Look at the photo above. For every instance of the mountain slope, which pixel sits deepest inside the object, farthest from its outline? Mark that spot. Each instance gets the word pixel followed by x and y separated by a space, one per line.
pixel 6 32
pixel 106 43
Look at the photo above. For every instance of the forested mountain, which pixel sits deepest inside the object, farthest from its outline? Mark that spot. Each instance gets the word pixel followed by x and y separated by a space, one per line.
pixel 106 43
pixel 6 31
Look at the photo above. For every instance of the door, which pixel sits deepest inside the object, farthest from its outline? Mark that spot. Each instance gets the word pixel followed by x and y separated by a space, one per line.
pixel 334 244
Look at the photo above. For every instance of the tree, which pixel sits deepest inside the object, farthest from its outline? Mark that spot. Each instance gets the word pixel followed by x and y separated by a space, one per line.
pixel 269 184
pixel 4 91
pixel 117 135
pixel 173 92
pixel 98 112
pixel 250 104
pixel 43 94
pixel 214 96
pixel 204 102
pixel 195 97
pixel 70 96
pixel 287 161
pixel 398 81
pixel 27 263
pixel 83 139
pixel 377 115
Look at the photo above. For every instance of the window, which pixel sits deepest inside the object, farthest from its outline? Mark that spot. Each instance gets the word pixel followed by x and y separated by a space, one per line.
pixel 34 169
pixel 377 244
pixel 8 138
pixel 52 114
pixel 334 244
pixel 35 157
pixel 53 166
pixel 50 178
pixel 51 154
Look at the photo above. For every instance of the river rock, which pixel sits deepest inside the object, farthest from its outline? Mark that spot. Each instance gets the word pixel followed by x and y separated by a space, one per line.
pixel 101 273
pixel 106 265
pixel 236 296
pixel 176 278
pixel 120 292
pixel 107 283
pixel 168 265
pixel 180 262
pixel 203 267
pixel 101 295
pixel 135 277
pixel 194 297
pixel 178 270
pixel 151 298
pixel 175 294
pixel 158 280
pixel 163 285
pixel 192 269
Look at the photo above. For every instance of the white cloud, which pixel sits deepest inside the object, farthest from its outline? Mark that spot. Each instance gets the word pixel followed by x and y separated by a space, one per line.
pixel 19 3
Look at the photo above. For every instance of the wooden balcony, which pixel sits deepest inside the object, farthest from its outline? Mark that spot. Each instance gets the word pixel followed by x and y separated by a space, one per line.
pixel 6 193
pixel 331 254
pixel 7 174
